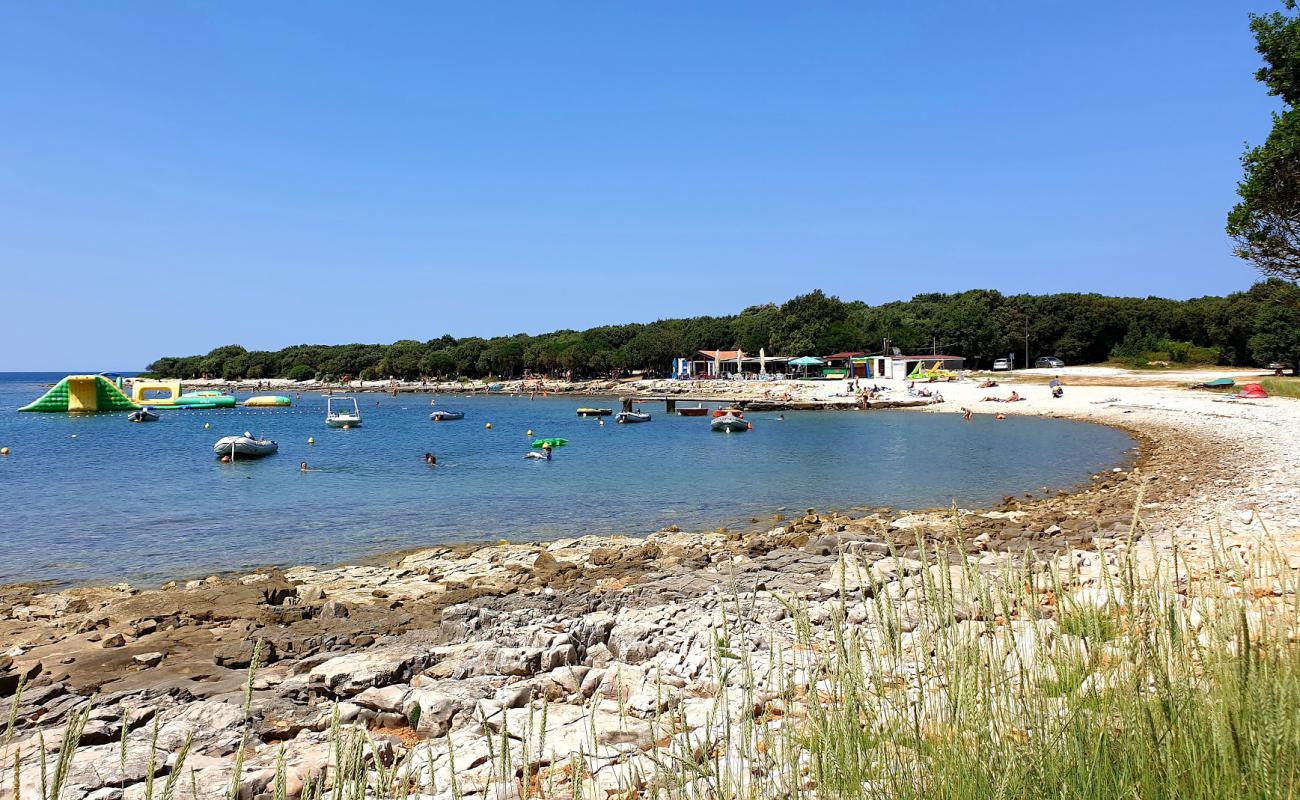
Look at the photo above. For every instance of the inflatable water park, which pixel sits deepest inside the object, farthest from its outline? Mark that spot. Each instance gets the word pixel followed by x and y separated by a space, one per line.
pixel 91 393
pixel 83 393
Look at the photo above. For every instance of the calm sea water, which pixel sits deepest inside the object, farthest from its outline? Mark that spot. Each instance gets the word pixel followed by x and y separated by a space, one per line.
pixel 91 498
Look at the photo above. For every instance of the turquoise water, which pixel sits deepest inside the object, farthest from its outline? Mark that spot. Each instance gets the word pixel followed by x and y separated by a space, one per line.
pixel 91 498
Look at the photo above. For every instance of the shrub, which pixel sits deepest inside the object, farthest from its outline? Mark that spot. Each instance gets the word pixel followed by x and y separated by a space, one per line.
pixel 301 372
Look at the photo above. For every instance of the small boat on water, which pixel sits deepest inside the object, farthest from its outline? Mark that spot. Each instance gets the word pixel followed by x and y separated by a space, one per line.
pixel 246 446
pixel 595 412
pixel 145 414
pixel 698 411
pixel 729 420
pixel 343 416
pixel 626 417
pixel 443 416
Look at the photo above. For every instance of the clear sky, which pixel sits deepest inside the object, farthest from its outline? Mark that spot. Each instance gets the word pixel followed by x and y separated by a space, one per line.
pixel 180 175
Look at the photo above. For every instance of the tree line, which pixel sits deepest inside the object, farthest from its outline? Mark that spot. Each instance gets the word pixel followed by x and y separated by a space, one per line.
pixel 1254 327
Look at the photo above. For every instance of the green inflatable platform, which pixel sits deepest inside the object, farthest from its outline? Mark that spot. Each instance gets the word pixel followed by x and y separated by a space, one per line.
pixel 82 393
pixel 552 442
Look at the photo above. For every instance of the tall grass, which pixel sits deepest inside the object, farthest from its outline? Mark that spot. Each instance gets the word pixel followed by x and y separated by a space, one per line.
pixel 1156 681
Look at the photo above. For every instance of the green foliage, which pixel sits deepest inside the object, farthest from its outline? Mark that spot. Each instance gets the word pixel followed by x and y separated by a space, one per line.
pixel 1277 324
pixel 980 325
pixel 1266 223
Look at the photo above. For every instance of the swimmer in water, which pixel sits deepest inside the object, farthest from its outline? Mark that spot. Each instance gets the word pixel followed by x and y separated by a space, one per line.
pixel 302 467
pixel 780 417
pixel 431 459
pixel 966 414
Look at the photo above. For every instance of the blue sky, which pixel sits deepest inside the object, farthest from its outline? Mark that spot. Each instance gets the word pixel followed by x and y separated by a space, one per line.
pixel 180 175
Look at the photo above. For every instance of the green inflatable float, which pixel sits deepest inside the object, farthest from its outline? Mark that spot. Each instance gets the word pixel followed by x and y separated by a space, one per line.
pixel 551 442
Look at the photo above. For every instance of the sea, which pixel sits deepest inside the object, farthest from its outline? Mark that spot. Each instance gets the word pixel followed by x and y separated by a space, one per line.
pixel 94 498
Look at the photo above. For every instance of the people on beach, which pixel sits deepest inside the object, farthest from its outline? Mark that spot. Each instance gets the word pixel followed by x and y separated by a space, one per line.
pixel 967 414
pixel 1055 383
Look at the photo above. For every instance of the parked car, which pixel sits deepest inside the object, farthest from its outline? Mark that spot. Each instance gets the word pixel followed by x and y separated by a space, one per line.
pixel 1048 362
pixel 1001 364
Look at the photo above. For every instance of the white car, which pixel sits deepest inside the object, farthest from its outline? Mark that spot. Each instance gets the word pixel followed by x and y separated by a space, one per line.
pixel 1001 365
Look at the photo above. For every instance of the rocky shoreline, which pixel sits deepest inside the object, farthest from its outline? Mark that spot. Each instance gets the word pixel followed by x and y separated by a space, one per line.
pixel 432 649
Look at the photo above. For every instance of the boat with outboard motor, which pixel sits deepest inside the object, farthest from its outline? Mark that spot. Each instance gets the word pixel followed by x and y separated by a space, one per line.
pixel 145 414
pixel 729 420
pixel 443 416
pixel 697 411
pixel 246 446
pixel 628 417
pixel 343 417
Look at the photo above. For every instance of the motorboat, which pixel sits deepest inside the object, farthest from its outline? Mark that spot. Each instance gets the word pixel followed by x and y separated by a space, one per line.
pixel 443 416
pixel 145 414
pixel 246 446
pixel 730 421
pixel 342 416
pixel 698 411
pixel 595 412
pixel 626 417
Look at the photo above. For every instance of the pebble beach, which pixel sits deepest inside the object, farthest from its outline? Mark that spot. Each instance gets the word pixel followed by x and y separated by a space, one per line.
pixel 430 650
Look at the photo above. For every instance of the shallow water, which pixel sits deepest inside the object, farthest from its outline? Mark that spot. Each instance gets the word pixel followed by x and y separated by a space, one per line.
pixel 97 498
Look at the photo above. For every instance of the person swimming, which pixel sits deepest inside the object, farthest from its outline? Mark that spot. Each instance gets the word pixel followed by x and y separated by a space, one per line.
pixel 302 467
pixel 431 459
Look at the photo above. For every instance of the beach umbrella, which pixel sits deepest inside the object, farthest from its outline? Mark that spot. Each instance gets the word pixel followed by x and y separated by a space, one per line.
pixel 804 362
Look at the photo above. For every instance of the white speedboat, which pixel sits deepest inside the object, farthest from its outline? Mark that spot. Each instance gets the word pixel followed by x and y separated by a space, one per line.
pixel 343 416
pixel 246 446
pixel 626 417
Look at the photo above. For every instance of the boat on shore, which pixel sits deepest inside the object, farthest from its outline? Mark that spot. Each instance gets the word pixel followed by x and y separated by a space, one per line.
pixel 729 420
pixel 246 446
pixel 444 416
pixel 145 414
pixel 343 416
pixel 595 412
pixel 628 417
pixel 697 411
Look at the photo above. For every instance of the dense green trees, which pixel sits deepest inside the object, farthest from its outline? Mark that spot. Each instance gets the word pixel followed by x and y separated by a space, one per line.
pixel 1261 325
pixel 1266 223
